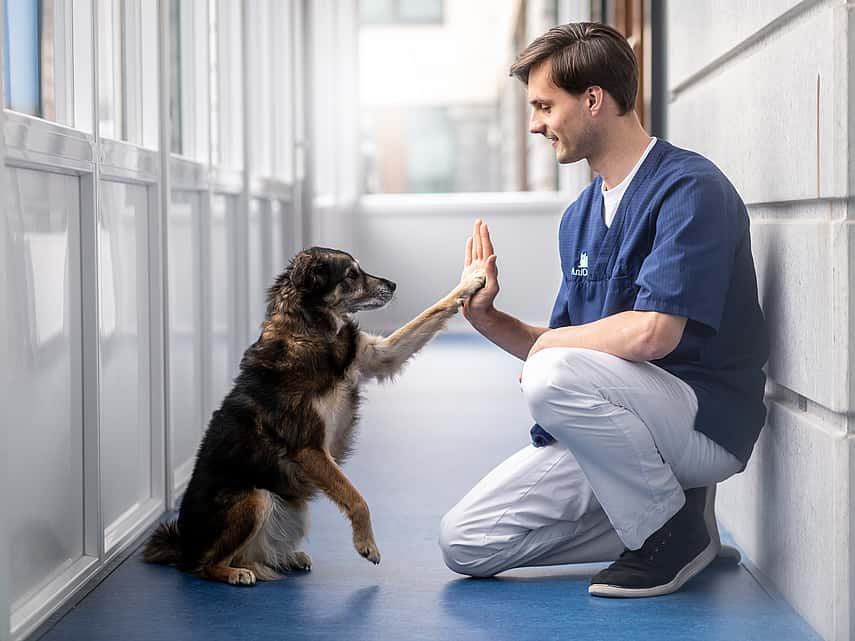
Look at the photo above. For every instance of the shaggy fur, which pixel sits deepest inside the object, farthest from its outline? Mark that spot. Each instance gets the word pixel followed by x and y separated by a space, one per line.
pixel 288 422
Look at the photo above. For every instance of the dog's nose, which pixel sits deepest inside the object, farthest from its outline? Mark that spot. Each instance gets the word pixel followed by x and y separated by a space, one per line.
pixel 392 286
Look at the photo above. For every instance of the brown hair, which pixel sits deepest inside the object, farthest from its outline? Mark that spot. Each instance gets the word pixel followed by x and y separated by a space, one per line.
pixel 584 54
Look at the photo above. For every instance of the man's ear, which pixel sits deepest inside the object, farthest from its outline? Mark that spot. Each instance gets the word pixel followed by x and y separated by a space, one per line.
pixel 308 273
pixel 594 99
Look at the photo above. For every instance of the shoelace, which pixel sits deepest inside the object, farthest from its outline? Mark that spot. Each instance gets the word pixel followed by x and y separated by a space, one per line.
pixel 641 558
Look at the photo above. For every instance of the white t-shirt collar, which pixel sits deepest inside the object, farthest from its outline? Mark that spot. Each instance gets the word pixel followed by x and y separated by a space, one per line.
pixel 612 197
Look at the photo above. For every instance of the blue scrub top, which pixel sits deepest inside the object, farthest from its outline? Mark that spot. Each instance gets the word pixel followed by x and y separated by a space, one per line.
pixel 679 244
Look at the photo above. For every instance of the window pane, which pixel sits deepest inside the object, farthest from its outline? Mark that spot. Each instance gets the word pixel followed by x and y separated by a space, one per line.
pixel 376 11
pixel 23 73
pixel 438 111
pixel 229 84
pixel 110 69
pixel 400 11
pixel 420 10
pixel 124 381
pixel 175 75
pixel 214 79
pixel 185 330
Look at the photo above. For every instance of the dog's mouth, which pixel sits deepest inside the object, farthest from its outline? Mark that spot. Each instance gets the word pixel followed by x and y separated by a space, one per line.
pixel 376 301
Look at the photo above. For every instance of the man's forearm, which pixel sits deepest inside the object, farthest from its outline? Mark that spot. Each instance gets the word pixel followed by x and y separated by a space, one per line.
pixel 509 333
pixel 631 335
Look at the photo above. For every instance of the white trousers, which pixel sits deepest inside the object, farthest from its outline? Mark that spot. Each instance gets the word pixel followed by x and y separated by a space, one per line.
pixel 625 449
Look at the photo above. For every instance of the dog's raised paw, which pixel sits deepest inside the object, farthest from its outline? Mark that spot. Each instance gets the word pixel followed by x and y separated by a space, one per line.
pixel 474 282
pixel 241 576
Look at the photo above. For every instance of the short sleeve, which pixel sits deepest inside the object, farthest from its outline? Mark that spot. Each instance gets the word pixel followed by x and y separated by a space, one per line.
pixel 688 270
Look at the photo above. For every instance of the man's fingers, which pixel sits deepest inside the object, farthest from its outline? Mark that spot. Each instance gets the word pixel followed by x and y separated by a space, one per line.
pixel 491 269
pixel 486 243
pixel 467 259
pixel 476 241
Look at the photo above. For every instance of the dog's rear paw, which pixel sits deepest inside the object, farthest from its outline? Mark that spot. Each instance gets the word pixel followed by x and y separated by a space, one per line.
pixel 369 550
pixel 300 561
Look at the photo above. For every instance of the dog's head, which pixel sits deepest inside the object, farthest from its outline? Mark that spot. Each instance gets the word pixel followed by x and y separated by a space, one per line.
pixel 334 279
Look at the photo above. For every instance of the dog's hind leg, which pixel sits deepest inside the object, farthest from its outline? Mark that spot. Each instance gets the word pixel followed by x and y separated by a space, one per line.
pixel 320 467
pixel 274 548
pixel 244 518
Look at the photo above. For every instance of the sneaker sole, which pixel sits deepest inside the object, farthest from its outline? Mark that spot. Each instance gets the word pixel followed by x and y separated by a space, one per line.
pixel 692 568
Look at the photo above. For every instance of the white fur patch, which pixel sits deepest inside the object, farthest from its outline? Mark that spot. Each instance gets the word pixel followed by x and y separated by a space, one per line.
pixel 336 410
pixel 274 545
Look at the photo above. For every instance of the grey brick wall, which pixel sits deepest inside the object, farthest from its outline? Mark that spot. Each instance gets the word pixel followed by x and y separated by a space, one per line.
pixel 762 89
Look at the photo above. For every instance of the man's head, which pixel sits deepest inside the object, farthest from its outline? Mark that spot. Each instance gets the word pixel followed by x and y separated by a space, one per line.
pixel 580 76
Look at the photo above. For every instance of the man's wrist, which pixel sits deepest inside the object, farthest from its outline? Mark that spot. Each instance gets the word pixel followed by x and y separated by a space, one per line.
pixel 483 320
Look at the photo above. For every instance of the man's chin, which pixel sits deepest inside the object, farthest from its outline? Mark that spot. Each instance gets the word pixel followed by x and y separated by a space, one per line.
pixel 567 159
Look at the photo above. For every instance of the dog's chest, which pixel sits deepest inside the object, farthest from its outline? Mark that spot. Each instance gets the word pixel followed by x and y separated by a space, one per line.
pixel 337 409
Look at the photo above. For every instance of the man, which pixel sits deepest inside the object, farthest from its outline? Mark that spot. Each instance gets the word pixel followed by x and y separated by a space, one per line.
pixel 647 387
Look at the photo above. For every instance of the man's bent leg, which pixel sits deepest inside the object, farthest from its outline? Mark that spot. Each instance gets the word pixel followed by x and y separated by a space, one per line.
pixel 602 408
pixel 631 427
pixel 535 508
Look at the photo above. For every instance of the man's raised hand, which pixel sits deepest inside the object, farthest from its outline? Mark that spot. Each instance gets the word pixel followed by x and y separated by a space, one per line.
pixel 479 256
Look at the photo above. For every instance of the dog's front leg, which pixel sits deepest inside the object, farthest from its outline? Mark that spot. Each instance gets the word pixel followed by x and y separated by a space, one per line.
pixel 320 467
pixel 383 357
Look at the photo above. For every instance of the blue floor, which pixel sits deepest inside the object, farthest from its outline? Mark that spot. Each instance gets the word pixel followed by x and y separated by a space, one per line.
pixel 425 439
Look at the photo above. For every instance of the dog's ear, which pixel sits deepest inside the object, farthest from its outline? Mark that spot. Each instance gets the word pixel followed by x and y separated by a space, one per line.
pixel 308 273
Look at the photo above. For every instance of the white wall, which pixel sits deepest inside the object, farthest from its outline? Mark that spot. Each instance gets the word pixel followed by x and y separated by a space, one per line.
pixel 763 90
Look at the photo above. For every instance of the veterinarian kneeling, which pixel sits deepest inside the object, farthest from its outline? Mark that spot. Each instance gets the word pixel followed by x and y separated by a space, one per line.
pixel 647 387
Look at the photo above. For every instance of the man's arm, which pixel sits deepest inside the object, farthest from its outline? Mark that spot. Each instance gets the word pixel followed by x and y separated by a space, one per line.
pixel 509 333
pixel 632 335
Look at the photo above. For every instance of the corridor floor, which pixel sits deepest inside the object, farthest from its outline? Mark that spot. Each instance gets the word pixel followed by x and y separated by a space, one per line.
pixel 424 440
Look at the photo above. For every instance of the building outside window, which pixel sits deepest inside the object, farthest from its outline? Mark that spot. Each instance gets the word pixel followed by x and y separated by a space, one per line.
pixel 439 112
pixel 400 11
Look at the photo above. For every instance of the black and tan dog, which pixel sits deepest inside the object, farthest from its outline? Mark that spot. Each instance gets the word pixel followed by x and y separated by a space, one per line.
pixel 281 432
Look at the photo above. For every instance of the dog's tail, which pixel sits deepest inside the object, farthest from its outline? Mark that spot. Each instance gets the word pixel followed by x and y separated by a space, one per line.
pixel 163 545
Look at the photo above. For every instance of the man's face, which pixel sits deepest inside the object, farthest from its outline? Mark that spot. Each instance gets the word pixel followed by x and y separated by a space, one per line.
pixel 559 116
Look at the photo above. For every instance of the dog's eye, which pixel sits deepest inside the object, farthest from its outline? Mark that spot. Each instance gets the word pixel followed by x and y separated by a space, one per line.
pixel 351 274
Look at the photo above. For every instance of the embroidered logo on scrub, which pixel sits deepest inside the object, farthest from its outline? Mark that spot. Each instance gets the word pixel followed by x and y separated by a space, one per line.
pixel 582 269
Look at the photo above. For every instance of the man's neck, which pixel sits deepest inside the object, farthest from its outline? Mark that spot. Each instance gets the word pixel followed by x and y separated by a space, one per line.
pixel 620 151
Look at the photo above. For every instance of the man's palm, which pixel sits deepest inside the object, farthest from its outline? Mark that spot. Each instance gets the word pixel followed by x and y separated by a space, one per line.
pixel 480 256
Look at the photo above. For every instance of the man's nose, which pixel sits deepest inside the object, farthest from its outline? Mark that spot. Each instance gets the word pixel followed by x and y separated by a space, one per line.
pixel 535 126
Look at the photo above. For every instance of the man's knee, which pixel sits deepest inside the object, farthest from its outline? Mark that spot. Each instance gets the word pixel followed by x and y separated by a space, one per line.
pixel 462 547
pixel 554 376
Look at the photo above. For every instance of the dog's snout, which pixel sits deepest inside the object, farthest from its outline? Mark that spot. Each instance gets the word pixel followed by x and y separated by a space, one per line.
pixel 392 286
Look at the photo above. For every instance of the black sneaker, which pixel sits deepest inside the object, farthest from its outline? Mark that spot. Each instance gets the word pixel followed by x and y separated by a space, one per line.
pixel 668 558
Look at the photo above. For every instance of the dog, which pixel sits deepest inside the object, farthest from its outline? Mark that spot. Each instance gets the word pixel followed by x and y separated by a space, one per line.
pixel 282 431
